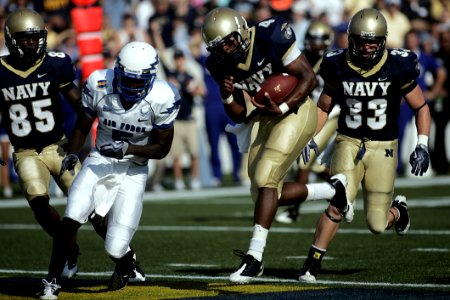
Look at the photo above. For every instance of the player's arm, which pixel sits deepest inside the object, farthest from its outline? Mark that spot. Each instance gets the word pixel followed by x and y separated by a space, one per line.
pixel 416 101
pixel 157 148
pixel 72 94
pixel 324 106
pixel 307 80
pixel 420 158
pixel 233 99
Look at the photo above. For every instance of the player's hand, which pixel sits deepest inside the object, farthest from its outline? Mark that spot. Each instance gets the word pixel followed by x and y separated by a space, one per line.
pixel 269 107
pixel 68 163
pixel 115 149
pixel 419 160
pixel 226 87
pixel 307 150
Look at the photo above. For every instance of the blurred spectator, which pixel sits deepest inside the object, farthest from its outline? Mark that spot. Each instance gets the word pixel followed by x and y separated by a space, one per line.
pixel 114 10
pixel 162 22
pixel 397 22
pixel 186 137
pixel 130 32
pixel 440 108
pixel 431 79
pixel 5 170
pixel 216 119
pixel 300 21
pixel 418 13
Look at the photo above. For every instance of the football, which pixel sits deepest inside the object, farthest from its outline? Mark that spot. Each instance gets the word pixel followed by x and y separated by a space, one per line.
pixel 278 86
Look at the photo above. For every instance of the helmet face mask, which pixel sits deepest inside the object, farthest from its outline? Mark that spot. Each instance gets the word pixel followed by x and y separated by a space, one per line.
pixel 223 28
pixel 25 36
pixel 135 71
pixel 367 32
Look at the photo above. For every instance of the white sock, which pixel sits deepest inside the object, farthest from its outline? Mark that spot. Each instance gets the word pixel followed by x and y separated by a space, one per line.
pixel 258 242
pixel 320 191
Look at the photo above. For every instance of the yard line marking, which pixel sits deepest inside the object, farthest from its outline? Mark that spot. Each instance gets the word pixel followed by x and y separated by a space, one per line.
pixel 239 191
pixel 260 279
pixel 192 265
pixel 232 229
pixel 430 250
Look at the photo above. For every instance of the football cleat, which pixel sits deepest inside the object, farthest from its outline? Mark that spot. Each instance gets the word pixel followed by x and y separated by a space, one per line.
pixel 288 216
pixel 340 201
pixel 138 274
pixel 249 268
pixel 402 224
pixel 309 271
pixel 71 266
pixel 50 291
pixel 116 282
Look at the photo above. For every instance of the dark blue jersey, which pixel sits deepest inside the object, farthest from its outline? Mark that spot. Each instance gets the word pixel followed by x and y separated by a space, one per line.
pixel 272 41
pixel 369 99
pixel 30 101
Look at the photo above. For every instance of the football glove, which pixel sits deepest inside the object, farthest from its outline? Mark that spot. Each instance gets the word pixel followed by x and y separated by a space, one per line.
pixel 115 149
pixel 419 160
pixel 307 150
pixel 68 163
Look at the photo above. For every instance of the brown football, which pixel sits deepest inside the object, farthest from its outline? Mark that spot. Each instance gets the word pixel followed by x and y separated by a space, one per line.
pixel 278 86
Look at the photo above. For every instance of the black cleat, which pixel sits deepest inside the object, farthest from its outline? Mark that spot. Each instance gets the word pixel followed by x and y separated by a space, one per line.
pixel 309 270
pixel 340 201
pixel 288 216
pixel 402 224
pixel 71 266
pixel 116 282
pixel 249 268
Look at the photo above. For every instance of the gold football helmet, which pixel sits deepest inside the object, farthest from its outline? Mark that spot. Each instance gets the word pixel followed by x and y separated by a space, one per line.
pixel 367 25
pixel 25 35
pixel 225 25
pixel 319 38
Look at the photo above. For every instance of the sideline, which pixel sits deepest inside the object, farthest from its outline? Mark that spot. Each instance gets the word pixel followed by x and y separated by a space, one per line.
pixel 239 191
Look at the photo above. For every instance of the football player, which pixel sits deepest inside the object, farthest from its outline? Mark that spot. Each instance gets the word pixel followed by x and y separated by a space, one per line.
pixel 241 58
pixel 135 115
pixel 32 81
pixel 368 82
pixel 319 39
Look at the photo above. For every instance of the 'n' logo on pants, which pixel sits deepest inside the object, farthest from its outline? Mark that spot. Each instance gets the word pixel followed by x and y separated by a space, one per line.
pixel 389 152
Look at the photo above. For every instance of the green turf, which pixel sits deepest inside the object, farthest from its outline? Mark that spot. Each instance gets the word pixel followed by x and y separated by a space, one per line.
pixel 185 247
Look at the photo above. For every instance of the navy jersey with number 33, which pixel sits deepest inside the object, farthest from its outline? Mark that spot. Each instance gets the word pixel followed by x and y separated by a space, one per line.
pixel 369 99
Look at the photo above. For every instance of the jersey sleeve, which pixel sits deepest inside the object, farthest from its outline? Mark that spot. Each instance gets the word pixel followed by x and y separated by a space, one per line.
pixel 407 65
pixel 278 36
pixel 328 72
pixel 94 89
pixel 166 106
pixel 64 67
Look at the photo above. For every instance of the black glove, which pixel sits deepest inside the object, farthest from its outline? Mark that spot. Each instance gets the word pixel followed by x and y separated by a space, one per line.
pixel 115 149
pixel 419 160
pixel 306 151
pixel 68 163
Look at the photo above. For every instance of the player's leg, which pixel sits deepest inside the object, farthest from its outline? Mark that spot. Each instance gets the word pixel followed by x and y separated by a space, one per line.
pixel 272 153
pixel 343 163
pixel 123 221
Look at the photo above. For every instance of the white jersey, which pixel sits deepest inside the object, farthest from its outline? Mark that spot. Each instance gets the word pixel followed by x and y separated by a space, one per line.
pixel 157 110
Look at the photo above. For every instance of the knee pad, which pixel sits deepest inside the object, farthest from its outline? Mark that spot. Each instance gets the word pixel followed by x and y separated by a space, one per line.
pixel 333 215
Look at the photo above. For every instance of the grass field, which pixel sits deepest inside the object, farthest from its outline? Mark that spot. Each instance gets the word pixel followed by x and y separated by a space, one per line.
pixel 185 244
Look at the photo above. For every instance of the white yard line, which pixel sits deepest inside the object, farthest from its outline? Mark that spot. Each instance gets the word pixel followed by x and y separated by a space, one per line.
pixel 261 279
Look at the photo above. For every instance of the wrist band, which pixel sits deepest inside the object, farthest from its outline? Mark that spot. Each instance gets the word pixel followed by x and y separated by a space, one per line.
pixel 284 108
pixel 422 139
pixel 228 100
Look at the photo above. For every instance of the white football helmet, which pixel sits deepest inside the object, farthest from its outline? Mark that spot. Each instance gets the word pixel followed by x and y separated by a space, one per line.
pixel 135 70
